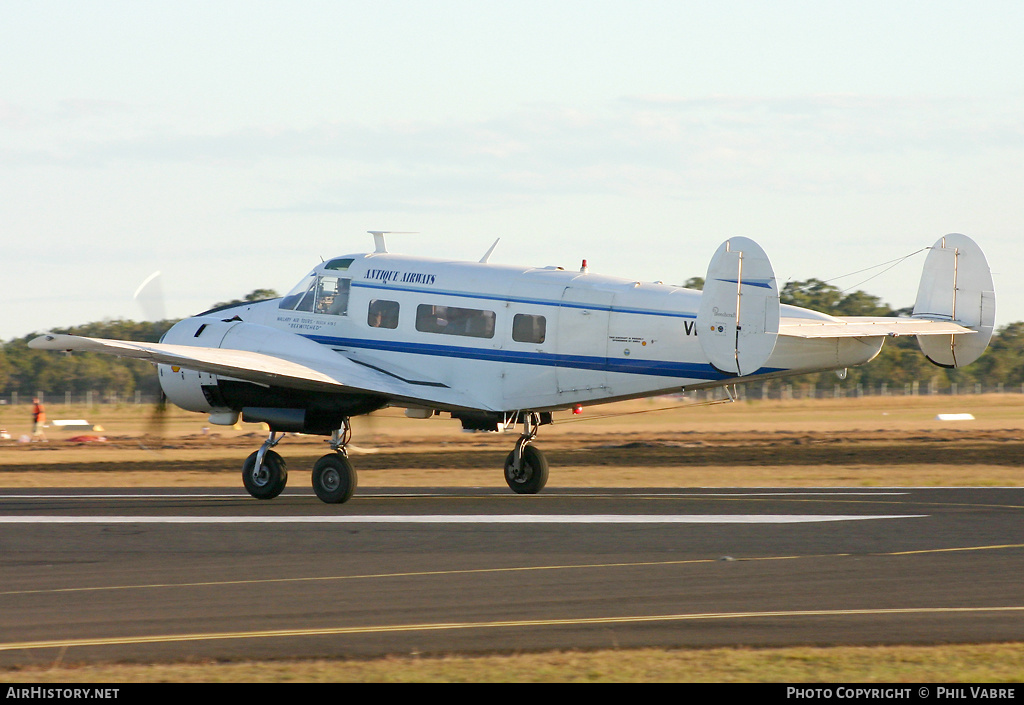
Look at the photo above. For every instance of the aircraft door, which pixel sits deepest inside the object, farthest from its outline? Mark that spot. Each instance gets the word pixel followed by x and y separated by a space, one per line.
pixel 582 343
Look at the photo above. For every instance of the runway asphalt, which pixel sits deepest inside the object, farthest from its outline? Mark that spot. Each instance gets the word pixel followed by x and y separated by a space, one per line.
pixel 154 575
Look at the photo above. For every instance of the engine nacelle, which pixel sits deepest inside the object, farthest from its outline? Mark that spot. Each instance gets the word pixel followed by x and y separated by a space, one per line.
pixel 224 398
pixel 191 390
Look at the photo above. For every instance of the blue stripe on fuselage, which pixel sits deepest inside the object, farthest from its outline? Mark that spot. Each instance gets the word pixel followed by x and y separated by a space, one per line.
pixel 657 368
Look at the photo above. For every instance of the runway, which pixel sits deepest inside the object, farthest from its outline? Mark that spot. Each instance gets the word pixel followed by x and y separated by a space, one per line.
pixel 152 575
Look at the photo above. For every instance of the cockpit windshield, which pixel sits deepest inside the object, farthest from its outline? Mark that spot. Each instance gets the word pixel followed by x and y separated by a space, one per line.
pixel 326 294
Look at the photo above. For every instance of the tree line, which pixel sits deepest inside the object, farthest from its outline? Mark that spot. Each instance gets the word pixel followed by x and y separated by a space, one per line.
pixel 25 372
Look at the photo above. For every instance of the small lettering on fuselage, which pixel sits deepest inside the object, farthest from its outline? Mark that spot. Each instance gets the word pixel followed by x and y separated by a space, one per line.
pixel 393 275
pixel 301 323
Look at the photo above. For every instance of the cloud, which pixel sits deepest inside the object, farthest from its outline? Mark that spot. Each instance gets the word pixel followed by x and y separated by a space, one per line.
pixel 657 146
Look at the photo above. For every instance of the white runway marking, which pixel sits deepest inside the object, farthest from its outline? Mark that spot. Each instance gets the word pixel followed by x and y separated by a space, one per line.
pixel 460 519
pixel 497 493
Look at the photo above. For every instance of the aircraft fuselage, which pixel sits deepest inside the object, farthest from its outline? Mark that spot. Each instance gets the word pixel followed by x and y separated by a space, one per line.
pixel 514 338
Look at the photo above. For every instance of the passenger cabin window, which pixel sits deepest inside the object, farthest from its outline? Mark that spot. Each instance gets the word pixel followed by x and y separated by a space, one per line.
pixel 323 294
pixel 382 314
pixel 528 329
pixel 450 320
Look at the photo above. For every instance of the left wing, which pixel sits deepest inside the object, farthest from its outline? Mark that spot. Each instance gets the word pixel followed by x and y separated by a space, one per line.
pixel 306 365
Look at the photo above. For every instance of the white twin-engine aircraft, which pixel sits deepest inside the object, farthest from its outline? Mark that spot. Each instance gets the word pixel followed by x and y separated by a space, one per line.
pixel 500 346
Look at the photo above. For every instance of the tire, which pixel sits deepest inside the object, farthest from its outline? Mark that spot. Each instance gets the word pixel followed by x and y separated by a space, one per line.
pixel 334 479
pixel 532 476
pixel 270 481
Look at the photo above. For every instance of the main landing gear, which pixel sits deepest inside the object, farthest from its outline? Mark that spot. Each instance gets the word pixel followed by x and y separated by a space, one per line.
pixel 265 475
pixel 334 479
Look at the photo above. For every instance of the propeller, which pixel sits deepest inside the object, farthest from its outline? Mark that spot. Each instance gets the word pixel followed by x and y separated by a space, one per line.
pixel 150 297
pixel 156 426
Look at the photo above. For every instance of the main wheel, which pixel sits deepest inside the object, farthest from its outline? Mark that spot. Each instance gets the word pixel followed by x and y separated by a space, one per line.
pixel 532 475
pixel 334 479
pixel 270 480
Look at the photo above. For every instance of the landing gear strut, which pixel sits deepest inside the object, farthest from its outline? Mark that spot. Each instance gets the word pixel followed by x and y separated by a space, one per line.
pixel 264 473
pixel 334 478
pixel 526 468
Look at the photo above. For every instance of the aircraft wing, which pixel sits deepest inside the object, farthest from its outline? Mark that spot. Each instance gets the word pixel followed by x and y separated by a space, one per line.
pixel 320 369
pixel 865 326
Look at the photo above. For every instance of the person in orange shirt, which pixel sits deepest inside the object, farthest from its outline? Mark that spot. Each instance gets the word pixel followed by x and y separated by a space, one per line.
pixel 38 420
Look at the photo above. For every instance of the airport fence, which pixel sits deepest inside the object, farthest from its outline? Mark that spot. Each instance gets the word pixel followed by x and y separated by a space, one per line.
pixel 785 391
pixel 750 391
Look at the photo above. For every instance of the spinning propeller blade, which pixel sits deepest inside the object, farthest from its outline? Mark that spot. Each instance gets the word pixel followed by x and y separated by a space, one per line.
pixel 150 296
pixel 156 425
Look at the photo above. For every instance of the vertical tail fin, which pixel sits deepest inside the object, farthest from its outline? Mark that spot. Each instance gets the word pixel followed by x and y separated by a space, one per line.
pixel 738 320
pixel 956 285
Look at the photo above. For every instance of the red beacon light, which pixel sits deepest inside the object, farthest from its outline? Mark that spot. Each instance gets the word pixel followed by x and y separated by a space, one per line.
pixel 577 409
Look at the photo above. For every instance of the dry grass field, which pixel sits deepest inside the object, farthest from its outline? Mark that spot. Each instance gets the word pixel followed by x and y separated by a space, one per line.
pixel 868 441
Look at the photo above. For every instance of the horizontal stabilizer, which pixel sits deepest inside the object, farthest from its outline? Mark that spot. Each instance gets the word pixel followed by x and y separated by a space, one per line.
pixel 738 319
pixel 862 327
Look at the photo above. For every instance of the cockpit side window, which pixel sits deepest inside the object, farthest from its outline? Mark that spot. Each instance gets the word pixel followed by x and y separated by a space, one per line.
pixel 332 296
pixel 319 294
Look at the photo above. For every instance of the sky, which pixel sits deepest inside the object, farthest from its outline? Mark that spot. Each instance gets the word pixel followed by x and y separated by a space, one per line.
pixel 233 145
